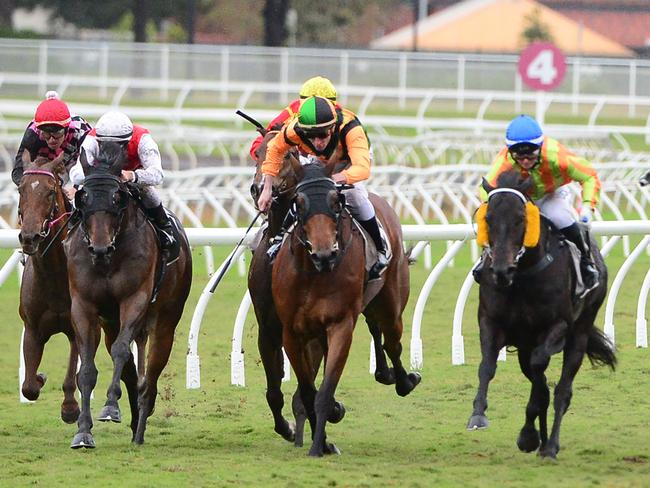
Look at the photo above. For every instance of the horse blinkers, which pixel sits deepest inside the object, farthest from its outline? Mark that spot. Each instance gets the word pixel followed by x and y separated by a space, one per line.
pixel 111 198
pixel 323 246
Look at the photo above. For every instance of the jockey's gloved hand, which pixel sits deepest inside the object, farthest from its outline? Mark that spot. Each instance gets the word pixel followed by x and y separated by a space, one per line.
pixel 644 180
pixel 586 216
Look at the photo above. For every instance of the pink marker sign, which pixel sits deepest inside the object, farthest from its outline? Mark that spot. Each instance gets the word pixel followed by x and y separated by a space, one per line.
pixel 542 66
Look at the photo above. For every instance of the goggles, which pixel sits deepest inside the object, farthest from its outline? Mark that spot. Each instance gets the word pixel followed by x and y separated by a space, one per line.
pixel 52 133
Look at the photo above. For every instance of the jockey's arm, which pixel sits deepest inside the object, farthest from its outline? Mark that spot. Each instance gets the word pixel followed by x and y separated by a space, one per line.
pixel 276 149
pixel 151 172
pixel 89 149
pixel 359 154
pixel 580 170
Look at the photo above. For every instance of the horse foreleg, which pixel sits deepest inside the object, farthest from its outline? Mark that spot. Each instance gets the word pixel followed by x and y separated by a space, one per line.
pixel 33 345
pixel 87 335
pixel 574 353
pixel 491 343
pixel 529 437
pixel 70 407
pixel 131 315
pixel 339 339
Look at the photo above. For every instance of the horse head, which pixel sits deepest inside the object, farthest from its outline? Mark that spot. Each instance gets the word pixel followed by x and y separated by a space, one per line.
pixel 40 199
pixel 318 206
pixel 103 200
pixel 506 218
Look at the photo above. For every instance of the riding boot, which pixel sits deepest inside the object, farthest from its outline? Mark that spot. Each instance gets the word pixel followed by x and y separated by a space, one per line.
pixel 276 241
pixel 372 227
pixel 163 225
pixel 588 269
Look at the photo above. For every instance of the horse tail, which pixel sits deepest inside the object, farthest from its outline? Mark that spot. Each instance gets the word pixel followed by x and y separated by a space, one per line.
pixel 410 259
pixel 600 349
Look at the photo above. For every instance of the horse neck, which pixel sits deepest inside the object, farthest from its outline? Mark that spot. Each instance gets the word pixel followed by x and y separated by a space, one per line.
pixel 277 214
pixel 54 261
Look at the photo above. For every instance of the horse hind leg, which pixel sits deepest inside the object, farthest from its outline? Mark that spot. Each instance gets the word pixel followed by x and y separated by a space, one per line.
pixel 383 374
pixel 160 348
pixel 70 407
pixel 273 361
pixel 405 382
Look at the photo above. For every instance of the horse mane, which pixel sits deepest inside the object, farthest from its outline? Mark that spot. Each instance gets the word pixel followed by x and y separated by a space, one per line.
pixel 111 158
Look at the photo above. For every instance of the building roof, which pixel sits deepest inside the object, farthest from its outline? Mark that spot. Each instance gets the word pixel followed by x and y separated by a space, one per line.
pixel 497 26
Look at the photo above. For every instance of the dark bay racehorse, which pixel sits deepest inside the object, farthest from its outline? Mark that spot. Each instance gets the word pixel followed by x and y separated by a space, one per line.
pixel 270 327
pixel 114 265
pixel 44 295
pixel 318 289
pixel 526 300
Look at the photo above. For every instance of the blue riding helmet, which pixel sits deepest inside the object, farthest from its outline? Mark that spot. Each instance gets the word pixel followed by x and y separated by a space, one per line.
pixel 524 130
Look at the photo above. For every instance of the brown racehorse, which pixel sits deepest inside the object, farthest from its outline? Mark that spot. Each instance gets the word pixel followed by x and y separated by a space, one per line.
pixel 113 266
pixel 270 328
pixel 318 284
pixel 44 296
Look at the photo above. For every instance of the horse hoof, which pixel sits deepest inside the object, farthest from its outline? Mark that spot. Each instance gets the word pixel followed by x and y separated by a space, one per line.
pixel 286 431
pixel 386 377
pixel 477 422
pixel 337 413
pixel 548 453
pixel 528 440
pixel 83 439
pixel 110 414
pixel 330 448
pixel 407 386
pixel 71 415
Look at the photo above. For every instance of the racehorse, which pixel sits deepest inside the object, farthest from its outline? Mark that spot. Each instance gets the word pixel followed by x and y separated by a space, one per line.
pixel 318 281
pixel 526 300
pixel 44 295
pixel 114 270
pixel 270 328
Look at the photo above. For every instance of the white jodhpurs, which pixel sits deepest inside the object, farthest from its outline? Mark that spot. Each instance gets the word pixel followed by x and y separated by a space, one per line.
pixel 558 207
pixel 150 197
pixel 357 199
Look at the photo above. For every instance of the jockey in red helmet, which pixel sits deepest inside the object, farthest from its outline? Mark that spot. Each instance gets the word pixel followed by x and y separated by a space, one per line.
pixel 52 131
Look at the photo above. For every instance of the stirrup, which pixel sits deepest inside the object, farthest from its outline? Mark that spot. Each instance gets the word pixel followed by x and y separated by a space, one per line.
pixel 592 275
pixel 379 267
pixel 274 248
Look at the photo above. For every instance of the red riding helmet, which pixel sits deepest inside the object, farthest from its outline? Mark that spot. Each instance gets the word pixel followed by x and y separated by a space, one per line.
pixel 52 111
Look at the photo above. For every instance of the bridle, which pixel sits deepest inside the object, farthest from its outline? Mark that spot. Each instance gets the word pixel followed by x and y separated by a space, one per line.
pixel 50 221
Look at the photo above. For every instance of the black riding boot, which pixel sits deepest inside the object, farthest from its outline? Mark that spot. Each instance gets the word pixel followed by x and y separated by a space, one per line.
pixel 163 225
pixel 372 227
pixel 588 269
pixel 276 241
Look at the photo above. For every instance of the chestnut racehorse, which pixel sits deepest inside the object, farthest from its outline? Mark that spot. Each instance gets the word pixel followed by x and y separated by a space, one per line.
pixel 318 284
pixel 114 266
pixel 44 295
pixel 270 328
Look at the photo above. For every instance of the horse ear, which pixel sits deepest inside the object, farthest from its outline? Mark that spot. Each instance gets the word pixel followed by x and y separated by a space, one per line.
pixel 334 202
pixel 27 160
pixel 486 186
pixel 297 167
pixel 525 185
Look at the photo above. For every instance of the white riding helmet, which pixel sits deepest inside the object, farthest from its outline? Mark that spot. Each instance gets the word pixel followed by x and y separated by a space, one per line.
pixel 114 126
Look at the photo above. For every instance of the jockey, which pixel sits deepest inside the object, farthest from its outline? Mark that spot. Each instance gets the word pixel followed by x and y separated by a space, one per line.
pixel 320 130
pixel 52 131
pixel 143 167
pixel 551 166
pixel 317 86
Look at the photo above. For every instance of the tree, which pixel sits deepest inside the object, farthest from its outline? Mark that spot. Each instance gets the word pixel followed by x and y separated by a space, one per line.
pixel 275 15
pixel 535 29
